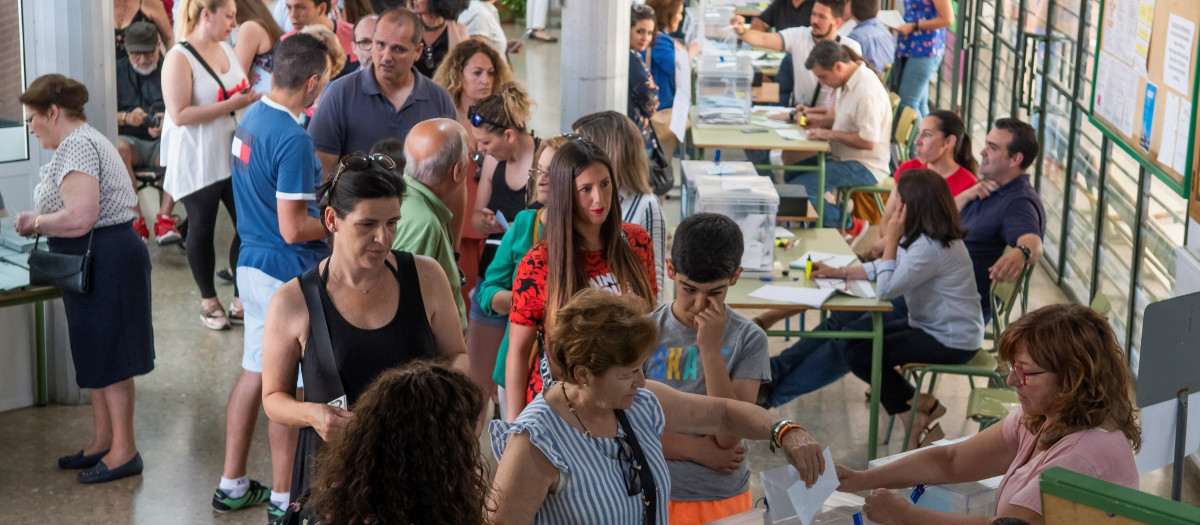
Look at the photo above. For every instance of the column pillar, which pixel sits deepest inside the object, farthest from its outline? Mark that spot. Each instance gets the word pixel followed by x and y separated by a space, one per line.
pixel 595 58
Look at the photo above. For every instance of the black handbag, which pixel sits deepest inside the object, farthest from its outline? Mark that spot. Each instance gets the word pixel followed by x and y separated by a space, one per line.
pixel 69 272
pixel 662 177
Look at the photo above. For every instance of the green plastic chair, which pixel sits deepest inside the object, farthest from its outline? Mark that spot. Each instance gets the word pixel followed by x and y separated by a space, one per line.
pixel 987 406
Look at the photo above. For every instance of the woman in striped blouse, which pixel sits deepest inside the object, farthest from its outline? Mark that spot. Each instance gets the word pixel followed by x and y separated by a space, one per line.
pixel 588 449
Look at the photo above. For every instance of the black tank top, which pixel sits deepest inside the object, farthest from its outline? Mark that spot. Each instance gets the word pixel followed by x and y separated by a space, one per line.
pixel 361 354
pixel 504 200
pixel 139 16
pixel 433 53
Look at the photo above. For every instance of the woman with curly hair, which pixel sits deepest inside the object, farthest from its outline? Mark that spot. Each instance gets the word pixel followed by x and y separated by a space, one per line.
pixel 409 455
pixel 1070 376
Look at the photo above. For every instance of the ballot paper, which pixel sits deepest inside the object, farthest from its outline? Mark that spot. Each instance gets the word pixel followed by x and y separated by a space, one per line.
pixel 890 18
pixel 856 288
pixel 783 233
pixel 787 495
pixel 793 134
pixel 813 297
pixel 831 259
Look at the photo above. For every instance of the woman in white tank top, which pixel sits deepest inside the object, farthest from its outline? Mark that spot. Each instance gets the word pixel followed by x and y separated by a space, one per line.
pixel 203 105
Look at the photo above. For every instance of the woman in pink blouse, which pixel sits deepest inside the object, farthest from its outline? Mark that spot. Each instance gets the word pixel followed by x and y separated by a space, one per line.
pixel 1071 379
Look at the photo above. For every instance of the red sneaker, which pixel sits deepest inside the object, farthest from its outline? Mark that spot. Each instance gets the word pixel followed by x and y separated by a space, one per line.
pixel 139 226
pixel 857 228
pixel 165 230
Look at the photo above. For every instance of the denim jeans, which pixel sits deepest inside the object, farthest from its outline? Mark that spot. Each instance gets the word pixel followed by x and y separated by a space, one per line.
pixel 837 173
pixel 914 83
pixel 813 363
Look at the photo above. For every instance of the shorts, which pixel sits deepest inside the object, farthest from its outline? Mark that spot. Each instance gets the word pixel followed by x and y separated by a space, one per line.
pixel 697 512
pixel 477 314
pixel 145 151
pixel 256 288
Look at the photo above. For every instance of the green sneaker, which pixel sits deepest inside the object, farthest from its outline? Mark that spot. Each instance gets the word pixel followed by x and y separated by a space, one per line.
pixel 274 514
pixel 254 495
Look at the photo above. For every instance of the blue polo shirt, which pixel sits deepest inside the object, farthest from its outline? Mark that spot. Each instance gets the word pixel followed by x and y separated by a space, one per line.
pixel 273 158
pixel 353 115
pixel 878 44
pixel 996 222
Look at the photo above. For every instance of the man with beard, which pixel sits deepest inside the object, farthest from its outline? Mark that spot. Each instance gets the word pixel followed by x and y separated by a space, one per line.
pixel 382 101
pixel 139 119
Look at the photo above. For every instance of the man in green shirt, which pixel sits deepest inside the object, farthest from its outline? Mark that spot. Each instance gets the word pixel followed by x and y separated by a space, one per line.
pixel 435 152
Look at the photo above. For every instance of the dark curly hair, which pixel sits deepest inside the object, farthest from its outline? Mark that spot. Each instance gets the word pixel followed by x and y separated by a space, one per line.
pixel 410 454
pixel 1077 345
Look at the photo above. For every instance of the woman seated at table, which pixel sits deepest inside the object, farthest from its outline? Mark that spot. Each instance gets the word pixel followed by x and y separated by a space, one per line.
pixel 924 260
pixel 1070 376
pixel 589 448
pixel 943 145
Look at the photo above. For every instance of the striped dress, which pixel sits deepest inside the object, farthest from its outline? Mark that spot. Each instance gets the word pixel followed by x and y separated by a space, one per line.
pixel 590 486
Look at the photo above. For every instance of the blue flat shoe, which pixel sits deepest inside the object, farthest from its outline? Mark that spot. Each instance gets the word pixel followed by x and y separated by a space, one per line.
pixel 78 461
pixel 100 473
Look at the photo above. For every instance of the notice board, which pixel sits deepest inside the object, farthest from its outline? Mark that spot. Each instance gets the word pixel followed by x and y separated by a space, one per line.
pixel 1145 86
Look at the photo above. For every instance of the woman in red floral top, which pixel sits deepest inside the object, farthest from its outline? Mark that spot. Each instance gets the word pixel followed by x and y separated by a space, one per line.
pixel 586 245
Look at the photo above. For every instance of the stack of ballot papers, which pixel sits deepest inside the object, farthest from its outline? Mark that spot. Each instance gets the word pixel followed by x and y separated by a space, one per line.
pixel 722 109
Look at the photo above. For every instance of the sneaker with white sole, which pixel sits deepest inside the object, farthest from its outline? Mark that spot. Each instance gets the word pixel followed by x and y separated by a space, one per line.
pixel 165 230
pixel 254 495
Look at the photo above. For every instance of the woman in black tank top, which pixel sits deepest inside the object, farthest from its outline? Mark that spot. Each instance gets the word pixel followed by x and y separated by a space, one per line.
pixel 362 311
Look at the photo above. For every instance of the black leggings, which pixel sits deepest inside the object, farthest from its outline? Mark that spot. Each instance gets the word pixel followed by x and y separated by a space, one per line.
pixel 201 208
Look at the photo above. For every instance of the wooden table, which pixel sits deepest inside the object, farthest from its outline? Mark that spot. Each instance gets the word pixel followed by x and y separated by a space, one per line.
pixel 767 93
pixel 734 137
pixel 37 295
pixel 830 241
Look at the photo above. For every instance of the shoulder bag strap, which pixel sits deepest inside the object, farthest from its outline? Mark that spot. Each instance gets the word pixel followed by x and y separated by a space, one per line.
pixel 224 94
pixel 324 366
pixel 649 489
pixel 99 175
pixel 537 225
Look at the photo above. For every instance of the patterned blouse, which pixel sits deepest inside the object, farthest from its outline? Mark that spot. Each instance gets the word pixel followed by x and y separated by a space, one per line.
pixel 921 43
pixel 643 95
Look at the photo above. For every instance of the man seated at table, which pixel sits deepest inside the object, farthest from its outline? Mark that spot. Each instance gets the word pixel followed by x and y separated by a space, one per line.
pixel 878 43
pixel 859 133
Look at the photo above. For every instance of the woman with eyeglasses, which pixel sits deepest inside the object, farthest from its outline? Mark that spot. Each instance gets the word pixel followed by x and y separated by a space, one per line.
pixel 361 311
pixel 471 72
pixel 494 295
pixel 589 448
pixel 442 31
pixel 254 41
pixel 1071 379
pixel 586 246
pixel 617 135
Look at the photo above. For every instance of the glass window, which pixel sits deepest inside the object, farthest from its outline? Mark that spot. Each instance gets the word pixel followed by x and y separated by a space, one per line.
pixel 14 141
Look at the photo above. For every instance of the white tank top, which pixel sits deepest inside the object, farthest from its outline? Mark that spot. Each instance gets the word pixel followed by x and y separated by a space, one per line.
pixel 198 155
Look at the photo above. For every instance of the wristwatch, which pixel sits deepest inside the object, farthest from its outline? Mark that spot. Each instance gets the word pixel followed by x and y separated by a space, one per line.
pixel 1024 251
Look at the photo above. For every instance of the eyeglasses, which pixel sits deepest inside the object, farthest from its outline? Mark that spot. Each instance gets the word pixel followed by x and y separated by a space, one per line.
pixel 1022 375
pixel 359 162
pixel 477 119
pixel 477 158
pixel 629 468
pixel 535 172
pixel 364 44
pixel 427 57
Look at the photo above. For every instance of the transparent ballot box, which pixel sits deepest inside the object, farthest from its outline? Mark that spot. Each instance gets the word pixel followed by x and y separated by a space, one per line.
pixel 977 498
pixel 723 90
pixel 751 201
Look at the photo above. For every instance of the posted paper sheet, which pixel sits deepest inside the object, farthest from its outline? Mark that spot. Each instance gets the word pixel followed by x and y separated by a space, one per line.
pixel 1120 29
pixel 1183 142
pixel 1166 147
pixel 1178 60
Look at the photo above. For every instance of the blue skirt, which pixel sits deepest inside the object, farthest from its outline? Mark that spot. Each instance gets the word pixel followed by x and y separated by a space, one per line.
pixel 112 334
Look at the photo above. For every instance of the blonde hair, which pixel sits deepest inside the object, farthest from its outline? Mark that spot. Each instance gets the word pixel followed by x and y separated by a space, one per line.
pixel 531 186
pixel 509 107
pixel 337 55
pixel 449 74
pixel 189 14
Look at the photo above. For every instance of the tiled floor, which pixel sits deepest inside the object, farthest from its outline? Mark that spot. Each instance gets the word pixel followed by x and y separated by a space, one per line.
pixel 180 408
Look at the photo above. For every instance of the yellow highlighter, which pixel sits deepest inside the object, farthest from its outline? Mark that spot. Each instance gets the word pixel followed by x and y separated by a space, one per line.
pixel 808 268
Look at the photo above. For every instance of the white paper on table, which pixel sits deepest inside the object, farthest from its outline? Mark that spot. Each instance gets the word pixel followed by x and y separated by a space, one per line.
pixel 813 297
pixel 764 109
pixel 831 259
pixel 780 232
pixel 683 95
pixel 1166 145
pixel 793 134
pixel 890 18
pixel 857 288
pixel 808 501
pixel 1178 59
pixel 769 123
pixel 1158 433
pixel 1183 143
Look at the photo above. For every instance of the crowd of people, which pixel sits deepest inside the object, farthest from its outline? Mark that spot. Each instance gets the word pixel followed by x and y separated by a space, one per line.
pixel 411 258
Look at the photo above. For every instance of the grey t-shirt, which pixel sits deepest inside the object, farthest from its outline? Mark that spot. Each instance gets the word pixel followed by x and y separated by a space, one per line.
pixel 676 362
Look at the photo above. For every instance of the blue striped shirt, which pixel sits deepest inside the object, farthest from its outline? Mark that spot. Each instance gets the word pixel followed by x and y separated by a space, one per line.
pixel 590 486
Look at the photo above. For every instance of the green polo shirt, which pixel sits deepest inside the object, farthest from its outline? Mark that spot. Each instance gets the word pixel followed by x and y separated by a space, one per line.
pixel 424 229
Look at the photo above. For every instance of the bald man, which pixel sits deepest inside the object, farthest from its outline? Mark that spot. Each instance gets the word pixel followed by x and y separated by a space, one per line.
pixel 435 154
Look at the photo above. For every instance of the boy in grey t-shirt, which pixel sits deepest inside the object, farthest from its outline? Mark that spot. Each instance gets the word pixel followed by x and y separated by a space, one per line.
pixel 706 348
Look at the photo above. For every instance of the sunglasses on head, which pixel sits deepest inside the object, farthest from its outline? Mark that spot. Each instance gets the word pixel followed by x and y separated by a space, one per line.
pixel 478 120
pixel 360 162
